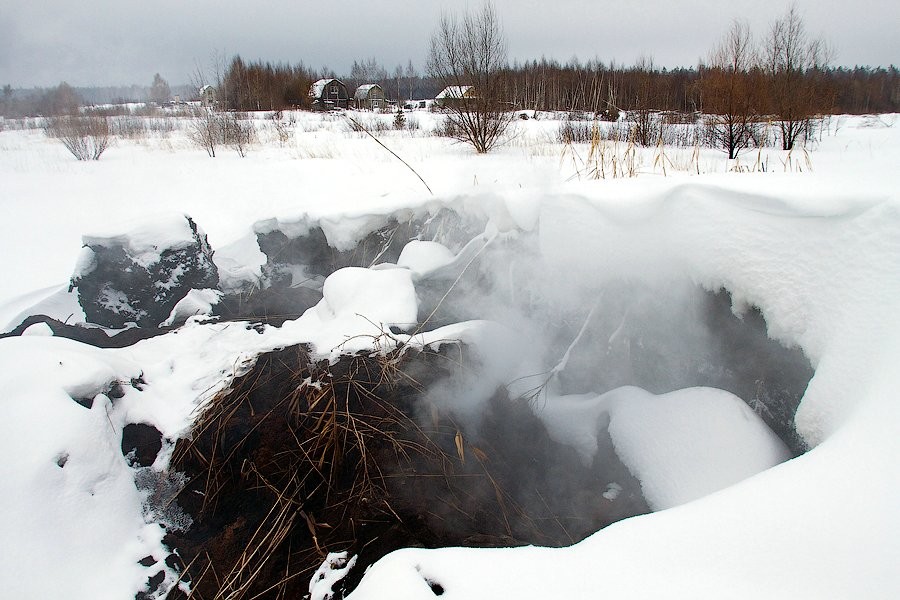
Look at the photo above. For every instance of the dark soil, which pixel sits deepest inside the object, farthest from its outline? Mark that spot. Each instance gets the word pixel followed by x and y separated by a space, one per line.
pixel 93 336
pixel 299 459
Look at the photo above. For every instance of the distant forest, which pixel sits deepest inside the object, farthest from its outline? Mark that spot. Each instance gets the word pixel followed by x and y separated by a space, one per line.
pixel 546 85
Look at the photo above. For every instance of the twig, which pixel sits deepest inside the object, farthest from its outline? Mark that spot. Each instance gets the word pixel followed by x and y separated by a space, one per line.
pixel 368 133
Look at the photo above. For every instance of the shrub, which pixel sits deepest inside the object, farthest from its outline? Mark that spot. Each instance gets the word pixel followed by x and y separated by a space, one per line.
pixel 86 137
pixel 205 131
pixel 400 120
pixel 238 132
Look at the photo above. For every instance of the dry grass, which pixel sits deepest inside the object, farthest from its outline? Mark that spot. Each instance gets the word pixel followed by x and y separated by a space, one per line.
pixel 299 459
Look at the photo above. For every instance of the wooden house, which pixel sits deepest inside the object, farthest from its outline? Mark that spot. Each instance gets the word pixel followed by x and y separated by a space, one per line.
pixel 454 95
pixel 208 96
pixel 328 94
pixel 369 97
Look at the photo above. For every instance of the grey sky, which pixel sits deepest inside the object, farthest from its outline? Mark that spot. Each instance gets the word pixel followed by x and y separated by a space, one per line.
pixel 118 42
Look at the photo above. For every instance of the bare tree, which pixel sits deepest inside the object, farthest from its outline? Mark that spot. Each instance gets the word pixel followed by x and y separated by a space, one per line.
pixel 398 77
pixel 729 91
pixel 470 54
pixel 60 100
pixel 791 60
pixel 7 100
pixel 411 75
pixel 647 128
pixel 159 90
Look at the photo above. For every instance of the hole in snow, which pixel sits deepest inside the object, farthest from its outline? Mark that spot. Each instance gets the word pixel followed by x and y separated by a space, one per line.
pixel 141 443
pixel 436 588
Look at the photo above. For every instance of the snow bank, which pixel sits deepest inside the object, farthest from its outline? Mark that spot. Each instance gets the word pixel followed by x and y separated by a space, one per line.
pixel 71 512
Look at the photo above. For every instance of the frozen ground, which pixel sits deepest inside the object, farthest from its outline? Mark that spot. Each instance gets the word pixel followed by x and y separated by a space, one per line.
pixel 814 242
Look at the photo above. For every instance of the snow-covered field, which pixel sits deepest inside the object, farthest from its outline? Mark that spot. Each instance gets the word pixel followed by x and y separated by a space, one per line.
pixel 813 240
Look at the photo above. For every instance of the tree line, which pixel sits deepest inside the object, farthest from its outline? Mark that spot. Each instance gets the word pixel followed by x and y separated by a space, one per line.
pixel 545 85
pixel 548 85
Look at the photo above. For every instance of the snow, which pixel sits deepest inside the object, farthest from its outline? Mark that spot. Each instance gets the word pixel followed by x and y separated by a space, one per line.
pixel 40 329
pixel 56 302
pixel 196 302
pixel 239 263
pixel 453 91
pixel 817 251
pixel 143 239
pixel 358 308
pixel 316 89
pixel 69 501
pixel 362 92
pixel 335 567
pixel 423 257
pixel 681 446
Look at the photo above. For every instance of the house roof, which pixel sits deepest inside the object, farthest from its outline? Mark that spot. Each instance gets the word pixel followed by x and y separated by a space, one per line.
pixel 454 91
pixel 362 92
pixel 316 89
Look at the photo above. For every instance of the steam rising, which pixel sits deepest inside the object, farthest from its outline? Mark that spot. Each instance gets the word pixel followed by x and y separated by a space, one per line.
pixel 572 314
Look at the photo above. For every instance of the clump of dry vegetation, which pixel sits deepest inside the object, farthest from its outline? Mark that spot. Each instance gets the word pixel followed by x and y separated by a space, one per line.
pixel 298 459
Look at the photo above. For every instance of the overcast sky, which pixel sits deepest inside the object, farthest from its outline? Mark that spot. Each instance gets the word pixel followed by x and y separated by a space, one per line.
pixel 119 42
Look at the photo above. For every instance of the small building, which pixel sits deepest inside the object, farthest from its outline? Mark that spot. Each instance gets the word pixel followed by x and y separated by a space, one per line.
pixel 369 97
pixel 454 95
pixel 208 96
pixel 328 94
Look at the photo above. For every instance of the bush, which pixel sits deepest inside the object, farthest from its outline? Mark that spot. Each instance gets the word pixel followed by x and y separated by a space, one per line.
pixel 86 137
pixel 400 120
pixel 575 132
pixel 238 132
pixel 205 131
pixel 283 128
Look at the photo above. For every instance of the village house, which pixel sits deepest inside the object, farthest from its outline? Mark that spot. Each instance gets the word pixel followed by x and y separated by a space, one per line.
pixel 454 95
pixel 328 94
pixel 369 97
pixel 208 96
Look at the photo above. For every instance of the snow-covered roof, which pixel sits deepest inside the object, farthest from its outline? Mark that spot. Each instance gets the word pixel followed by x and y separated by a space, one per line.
pixel 454 91
pixel 362 92
pixel 316 89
